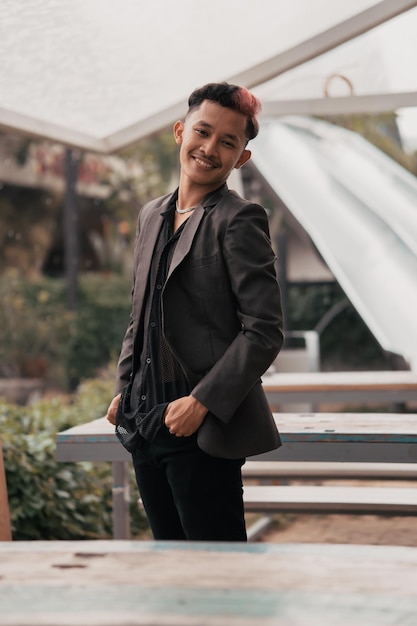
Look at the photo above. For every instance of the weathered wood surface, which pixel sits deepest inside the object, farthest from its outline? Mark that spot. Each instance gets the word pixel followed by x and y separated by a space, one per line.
pixel 385 387
pixel 113 583
pixel 330 499
pixel 5 528
pixel 270 470
pixel 393 438
pixel 350 381
pixel 293 427
pixel 319 437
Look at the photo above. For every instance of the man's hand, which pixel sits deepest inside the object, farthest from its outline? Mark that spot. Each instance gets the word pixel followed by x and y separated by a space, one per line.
pixel 184 416
pixel 112 410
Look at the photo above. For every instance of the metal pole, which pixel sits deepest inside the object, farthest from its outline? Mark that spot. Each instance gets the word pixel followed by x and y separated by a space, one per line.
pixel 121 500
pixel 71 238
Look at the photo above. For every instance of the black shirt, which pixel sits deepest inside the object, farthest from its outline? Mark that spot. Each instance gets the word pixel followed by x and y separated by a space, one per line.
pixel 159 378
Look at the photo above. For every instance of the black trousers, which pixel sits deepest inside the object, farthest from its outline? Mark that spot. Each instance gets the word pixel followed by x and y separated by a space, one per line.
pixel 188 494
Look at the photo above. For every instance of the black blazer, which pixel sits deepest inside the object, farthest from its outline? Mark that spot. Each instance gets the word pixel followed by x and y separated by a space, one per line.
pixel 222 316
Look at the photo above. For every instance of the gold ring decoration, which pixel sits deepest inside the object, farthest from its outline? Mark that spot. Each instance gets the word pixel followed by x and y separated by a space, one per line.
pixel 331 78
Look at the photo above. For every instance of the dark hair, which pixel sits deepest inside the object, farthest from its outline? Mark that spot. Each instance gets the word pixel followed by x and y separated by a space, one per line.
pixel 232 97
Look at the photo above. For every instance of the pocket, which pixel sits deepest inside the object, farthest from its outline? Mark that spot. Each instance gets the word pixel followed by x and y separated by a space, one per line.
pixel 202 261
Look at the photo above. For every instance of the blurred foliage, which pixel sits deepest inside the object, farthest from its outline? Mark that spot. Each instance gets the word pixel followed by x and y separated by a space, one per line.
pixel 50 500
pixel 307 303
pixel 39 337
pixel 99 323
pixel 146 170
pixel 27 227
pixel 346 343
pixel 33 327
pixel 114 190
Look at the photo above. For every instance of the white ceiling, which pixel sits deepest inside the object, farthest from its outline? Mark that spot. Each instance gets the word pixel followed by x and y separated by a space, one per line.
pixel 101 74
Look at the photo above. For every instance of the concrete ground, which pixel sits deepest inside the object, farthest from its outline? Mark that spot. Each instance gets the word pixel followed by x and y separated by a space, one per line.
pixel 345 529
pixel 352 529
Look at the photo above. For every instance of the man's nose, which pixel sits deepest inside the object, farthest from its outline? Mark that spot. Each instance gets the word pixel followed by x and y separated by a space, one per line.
pixel 209 146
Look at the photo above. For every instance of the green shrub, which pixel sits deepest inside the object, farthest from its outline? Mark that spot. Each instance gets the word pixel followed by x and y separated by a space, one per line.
pixel 346 342
pixel 33 328
pixel 39 337
pixel 99 324
pixel 51 500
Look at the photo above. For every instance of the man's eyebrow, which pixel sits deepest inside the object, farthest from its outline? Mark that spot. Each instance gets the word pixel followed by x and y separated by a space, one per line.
pixel 207 125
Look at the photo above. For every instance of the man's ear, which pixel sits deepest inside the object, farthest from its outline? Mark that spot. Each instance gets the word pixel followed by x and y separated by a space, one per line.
pixel 244 158
pixel 178 131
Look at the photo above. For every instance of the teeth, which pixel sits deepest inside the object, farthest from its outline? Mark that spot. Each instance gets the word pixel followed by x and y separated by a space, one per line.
pixel 203 163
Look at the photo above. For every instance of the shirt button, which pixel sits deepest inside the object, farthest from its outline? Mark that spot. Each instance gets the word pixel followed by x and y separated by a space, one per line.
pixel 159 286
pixel 143 397
pixel 153 324
pixel 148 360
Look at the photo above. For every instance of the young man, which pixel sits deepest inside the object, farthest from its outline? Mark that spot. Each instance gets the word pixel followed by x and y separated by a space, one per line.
pixel 205 325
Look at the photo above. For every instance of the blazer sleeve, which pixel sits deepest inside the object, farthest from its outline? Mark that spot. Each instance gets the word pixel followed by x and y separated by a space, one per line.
pixel 125 362
pixel 124 365
pixel 250 263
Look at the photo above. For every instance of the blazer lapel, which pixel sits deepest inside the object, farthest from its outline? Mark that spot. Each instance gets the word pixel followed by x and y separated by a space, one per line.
pixel 186 239
pixel 191 227
pixel 149 230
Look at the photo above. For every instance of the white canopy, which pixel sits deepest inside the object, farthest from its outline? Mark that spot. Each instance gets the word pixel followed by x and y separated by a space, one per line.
pixel 360 209
pixel 101 74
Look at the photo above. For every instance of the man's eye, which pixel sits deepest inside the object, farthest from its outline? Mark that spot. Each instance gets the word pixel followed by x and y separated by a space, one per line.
pixel 200 131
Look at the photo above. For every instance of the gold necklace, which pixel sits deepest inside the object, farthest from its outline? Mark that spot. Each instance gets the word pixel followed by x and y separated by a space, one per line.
pixel 181 211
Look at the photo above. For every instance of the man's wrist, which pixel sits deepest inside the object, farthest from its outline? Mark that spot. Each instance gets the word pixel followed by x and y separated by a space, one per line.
pixel 199 407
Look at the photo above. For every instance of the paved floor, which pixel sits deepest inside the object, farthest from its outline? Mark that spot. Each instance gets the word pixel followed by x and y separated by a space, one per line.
pixel 344 529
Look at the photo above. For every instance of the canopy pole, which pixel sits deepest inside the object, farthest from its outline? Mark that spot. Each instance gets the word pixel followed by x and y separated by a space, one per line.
pixel 71 235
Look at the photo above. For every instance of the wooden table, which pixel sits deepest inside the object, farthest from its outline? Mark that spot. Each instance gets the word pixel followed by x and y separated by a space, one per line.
pixel 388 388
pixel 379 437
pixel 123 583
pixel 357 437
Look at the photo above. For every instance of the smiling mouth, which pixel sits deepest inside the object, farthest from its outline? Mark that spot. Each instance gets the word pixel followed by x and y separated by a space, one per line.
pixel 205 164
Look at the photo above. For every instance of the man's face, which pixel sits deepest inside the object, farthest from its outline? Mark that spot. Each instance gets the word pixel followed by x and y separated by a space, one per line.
pixel 212 140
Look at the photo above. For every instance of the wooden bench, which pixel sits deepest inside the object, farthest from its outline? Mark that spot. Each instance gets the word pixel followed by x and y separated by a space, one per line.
pixel 314 470
pixel 341 438
pixel 325 499
pixel 303 499
pixel 389 388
